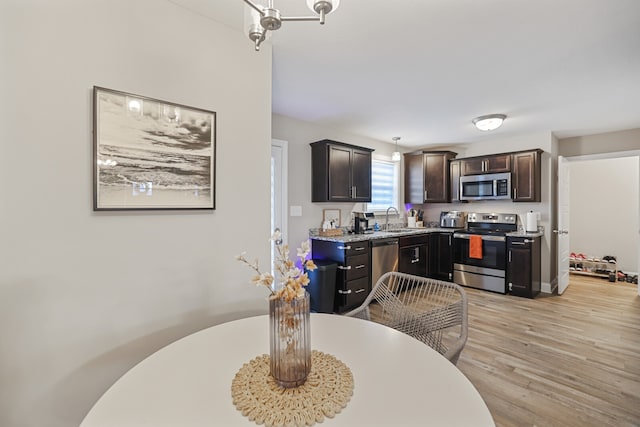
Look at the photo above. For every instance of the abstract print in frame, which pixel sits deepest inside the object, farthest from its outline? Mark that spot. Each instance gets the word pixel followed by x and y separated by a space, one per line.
pixel 151 154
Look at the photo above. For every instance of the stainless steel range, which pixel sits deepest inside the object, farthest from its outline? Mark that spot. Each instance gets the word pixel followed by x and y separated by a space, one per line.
pixel 480 251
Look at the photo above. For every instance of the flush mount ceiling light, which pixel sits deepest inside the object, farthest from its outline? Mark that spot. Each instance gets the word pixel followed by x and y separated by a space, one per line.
pixel 489 122
pixel 267 18
pixel 395 156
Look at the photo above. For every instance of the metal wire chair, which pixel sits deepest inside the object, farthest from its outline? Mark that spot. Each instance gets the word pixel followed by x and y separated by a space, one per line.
pixel 432 311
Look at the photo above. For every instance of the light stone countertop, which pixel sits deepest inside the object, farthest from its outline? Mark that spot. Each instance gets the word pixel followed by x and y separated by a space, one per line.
pixel 525 234
pixel 346 238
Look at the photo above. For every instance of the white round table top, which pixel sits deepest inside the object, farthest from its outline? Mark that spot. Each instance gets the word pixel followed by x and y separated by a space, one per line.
pixel 399 381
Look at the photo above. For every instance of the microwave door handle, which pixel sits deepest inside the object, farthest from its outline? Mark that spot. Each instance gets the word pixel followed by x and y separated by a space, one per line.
pixel 495 187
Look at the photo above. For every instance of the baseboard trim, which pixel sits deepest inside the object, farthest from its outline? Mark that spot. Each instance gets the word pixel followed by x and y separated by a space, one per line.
pixel 548 288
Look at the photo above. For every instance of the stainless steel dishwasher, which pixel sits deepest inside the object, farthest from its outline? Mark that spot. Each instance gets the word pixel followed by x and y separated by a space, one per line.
pixel 384 258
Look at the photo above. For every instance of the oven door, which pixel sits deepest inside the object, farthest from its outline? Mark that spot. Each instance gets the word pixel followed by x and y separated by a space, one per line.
pixel 494 251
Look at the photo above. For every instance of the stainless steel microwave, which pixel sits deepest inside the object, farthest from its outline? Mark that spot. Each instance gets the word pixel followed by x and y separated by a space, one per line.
pixel 495 186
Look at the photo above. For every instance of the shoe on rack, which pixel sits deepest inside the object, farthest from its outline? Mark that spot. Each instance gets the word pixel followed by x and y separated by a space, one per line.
pixel 612 259
pixel 635 279
pixel 572 255
pixel 581 256
pixel 621 276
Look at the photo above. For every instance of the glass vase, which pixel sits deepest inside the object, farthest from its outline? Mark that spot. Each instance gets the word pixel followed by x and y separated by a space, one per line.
pixel 290 339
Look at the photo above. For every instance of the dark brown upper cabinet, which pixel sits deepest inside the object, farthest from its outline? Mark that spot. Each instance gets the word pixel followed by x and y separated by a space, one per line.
pixel 340 172
pixel 525 177
pixel 486 164
pixel 426 176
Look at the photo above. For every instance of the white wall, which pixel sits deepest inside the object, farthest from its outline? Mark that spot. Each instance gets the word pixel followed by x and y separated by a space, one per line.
pixel 610 142
pixel 604 209
pixel 86 295
pixel 299 134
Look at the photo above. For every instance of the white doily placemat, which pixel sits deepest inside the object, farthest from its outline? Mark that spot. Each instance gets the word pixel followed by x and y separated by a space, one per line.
pixel 328 389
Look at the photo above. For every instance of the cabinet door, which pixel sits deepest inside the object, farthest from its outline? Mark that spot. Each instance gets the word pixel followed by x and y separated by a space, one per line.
pixel 413 260
pixel 413 178
pixel 361 176
pixel 489 164
pixel 441 257
pixel 339 173
pixel 496 164
pixel 436 178
pixel 519 270
pixel 526 177
pixel 472 166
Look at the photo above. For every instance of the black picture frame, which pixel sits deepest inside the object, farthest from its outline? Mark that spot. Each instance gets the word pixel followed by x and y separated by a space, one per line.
pixel 150 154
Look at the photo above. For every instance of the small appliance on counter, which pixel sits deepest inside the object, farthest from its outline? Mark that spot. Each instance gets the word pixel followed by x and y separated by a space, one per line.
pixel 361 222
pixel 453 219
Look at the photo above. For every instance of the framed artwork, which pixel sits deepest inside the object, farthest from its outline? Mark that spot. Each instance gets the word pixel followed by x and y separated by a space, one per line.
pixel 150 154
pixel 331 215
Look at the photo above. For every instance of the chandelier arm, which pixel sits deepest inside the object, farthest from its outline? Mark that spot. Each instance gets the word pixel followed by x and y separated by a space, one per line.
pixel 300 18
pixel 255 7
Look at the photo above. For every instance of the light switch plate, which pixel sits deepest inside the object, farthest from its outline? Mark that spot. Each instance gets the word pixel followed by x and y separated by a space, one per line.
pixel 295 210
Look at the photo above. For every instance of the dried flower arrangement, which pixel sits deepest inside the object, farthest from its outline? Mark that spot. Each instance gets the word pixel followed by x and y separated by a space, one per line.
pixel 292 279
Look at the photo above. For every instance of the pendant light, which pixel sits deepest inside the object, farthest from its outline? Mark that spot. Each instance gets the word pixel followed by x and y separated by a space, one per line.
pixel 395 156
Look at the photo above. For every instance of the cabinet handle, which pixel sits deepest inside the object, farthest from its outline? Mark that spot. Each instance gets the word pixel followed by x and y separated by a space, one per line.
pixel 425 194
pixel 354 192
pixel 360 266
pixel 342 267
pixel 413 261
pixel 519 243
pixel 359 248
pixel 360 290
pixel 340 291
pixel 515 193
pixel 345 247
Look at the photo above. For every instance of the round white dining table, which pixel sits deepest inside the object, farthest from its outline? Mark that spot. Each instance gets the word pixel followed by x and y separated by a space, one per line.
pixel 398 380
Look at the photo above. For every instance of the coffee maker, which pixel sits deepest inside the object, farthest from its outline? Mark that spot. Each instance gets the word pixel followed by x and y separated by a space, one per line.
pixel 361 224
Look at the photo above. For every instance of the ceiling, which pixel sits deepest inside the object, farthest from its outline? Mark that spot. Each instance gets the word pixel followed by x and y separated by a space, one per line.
pixel 423 69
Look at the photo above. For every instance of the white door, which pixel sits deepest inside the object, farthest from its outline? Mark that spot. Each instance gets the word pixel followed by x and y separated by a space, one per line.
pixel 278 190
pixel 562 233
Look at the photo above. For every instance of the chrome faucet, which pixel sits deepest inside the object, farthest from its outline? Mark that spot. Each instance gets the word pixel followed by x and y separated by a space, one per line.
pixel 386 223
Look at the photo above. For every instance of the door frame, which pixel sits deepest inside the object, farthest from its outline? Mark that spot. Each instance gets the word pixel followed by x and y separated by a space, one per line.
pixel 602 156
pixel 284 186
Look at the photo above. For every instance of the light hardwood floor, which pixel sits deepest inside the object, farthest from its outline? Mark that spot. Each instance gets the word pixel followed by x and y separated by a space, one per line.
pixel 569 360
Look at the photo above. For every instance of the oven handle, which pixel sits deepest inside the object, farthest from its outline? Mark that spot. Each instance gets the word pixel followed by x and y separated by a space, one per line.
pixel 483 236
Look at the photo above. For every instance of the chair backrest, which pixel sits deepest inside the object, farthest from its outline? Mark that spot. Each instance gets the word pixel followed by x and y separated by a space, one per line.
pixel 432 311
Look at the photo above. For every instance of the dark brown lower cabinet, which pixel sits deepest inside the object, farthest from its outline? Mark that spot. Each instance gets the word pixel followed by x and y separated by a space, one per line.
pixel 352 277
pixel 524 266
pixel 413 255
pixel 441 256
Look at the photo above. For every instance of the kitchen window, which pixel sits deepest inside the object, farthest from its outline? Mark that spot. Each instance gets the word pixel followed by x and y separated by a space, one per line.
pixel 384 185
